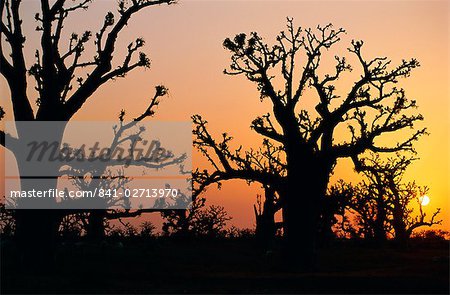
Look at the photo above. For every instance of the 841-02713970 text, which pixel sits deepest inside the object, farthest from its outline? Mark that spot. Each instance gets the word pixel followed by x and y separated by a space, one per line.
pixel 98 192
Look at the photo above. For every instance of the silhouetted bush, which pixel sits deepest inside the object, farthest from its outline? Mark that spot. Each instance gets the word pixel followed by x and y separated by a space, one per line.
pixel 7 222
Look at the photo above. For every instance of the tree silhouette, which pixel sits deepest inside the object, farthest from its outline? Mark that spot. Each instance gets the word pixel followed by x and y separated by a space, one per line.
pixel 265 210
pixel 385 199
pixel 363 212
pixel 333 204
pixel 64 79
pixel 372 107
pixel 7 222
pixel 124 135
pixel 197 221
pixel 336 218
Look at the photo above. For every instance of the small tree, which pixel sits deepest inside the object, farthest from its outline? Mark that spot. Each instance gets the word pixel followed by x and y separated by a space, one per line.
pixel 147 229
pixel 383 201
pixel 7 222
pixel 113 178
pixel 199 220
pixel 265 210
pixel 72 226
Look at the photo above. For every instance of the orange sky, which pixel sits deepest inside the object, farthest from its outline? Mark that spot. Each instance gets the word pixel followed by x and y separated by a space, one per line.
pixel 184 42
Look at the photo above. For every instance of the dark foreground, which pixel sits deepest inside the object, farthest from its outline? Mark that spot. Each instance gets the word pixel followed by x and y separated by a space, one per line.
pixel 228 266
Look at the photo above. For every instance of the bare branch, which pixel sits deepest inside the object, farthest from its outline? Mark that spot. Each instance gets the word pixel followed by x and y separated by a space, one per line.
pixel 15 72
pixel 103 61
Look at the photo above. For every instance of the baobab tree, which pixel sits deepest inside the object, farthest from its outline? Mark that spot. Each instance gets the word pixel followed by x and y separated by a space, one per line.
pixel 384 200
pixel 124 135
pixel 65 78
pixel 363 209
pixel 264 166
pixel 372 107
pixel 266 227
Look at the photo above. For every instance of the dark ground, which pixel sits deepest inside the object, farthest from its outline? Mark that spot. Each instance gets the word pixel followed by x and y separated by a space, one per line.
pixel 229 266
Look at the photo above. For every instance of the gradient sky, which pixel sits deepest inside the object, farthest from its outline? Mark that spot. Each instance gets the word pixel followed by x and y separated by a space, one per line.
pixel 184 42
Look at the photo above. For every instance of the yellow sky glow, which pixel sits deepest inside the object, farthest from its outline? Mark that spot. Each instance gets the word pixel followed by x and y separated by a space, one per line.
pixel 184 42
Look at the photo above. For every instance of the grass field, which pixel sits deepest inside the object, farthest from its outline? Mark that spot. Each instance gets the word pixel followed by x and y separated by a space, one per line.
pixel 229 266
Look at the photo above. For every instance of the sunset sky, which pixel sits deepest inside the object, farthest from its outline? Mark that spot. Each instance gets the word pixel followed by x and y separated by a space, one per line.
pixel 184 42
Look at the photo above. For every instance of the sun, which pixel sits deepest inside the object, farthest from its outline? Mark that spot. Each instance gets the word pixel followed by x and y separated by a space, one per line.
pixel 424 200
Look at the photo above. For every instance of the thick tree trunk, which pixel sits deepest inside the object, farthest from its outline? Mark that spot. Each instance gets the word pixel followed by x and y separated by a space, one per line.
pixel 401 234
pixel 95 230
pixel 37 229
pixel 36 224
pixel 306 185
pixel 379 230
pixel 36 234
pixel 265 221
pixel 328 208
